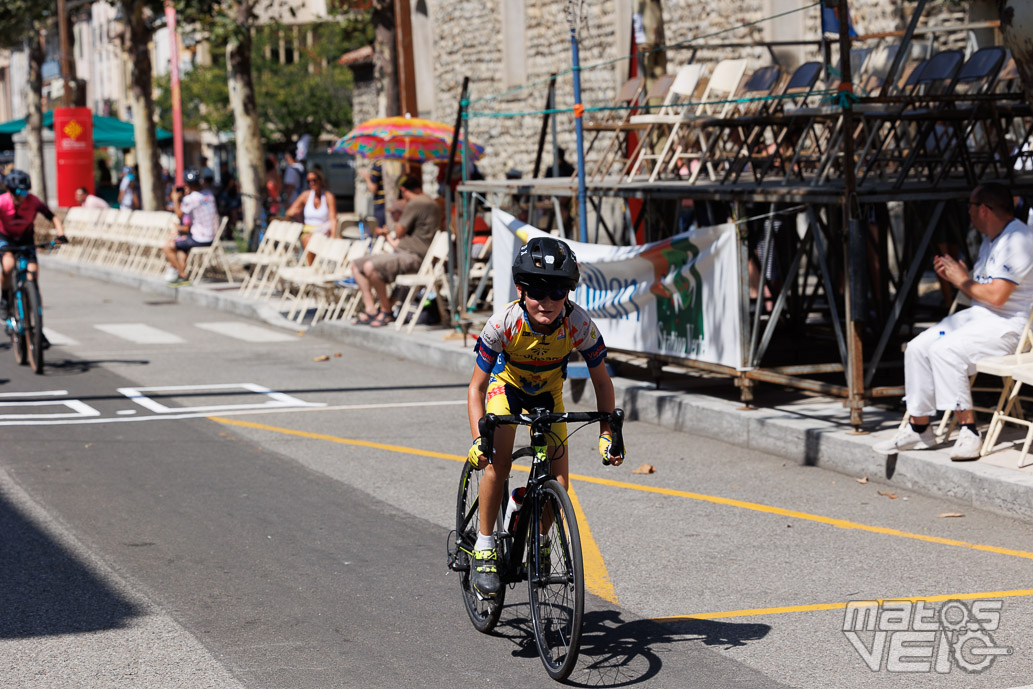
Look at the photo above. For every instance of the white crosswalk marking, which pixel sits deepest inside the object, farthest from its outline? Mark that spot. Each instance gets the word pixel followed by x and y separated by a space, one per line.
pixel 246 331
pixel 57 339
pixel 140 333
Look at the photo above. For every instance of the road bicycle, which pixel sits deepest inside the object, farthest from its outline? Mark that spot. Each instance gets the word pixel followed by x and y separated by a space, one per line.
pixel 543 546
pixel 25 311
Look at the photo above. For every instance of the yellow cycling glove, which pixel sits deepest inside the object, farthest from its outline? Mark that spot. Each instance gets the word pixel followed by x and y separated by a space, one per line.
pixel 476 452
pixel 605 441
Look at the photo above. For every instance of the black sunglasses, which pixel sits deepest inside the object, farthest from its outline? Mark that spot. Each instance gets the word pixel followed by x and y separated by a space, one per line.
pixel 540 293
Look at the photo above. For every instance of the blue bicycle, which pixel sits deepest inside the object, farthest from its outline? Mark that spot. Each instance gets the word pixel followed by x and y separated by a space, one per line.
pixel 25 319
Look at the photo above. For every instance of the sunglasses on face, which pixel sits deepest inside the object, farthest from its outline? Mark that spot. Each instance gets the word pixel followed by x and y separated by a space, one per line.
pixel 541 294
pixel 313 180
pixel 19 192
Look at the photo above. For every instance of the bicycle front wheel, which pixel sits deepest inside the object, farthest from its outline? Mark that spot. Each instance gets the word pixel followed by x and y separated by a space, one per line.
pixel 484 613
pixel 33 325
pixel 556 580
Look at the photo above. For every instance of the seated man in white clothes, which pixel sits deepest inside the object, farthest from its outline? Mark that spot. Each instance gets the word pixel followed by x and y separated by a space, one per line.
pixel 939 362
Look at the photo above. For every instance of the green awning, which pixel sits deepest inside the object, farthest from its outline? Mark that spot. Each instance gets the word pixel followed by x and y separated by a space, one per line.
pixel 107 131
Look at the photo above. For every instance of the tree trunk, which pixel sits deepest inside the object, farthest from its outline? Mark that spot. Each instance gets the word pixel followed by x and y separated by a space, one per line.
pixel 245 116
pixel 34 119
pixel 1017 29
pixel 141 100
pixel 385 58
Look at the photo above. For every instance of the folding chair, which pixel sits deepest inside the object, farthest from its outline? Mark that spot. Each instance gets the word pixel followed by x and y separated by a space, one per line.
pixel 888 142
pixel 213 255
pixel 716 103
pixel 614 120
pixel 277 249
pixel 941 132
pixel 719 136
pixel 1015 370
pixel 325 268
pixel 763 134
pixel 429 278
pixel 677 103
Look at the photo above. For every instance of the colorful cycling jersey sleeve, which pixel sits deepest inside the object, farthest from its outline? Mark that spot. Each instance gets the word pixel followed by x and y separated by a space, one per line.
pixel 510 349
pixel 16 221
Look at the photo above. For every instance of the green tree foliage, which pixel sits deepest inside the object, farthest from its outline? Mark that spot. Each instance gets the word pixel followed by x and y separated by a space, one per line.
pixel 310 95
pixel 20 19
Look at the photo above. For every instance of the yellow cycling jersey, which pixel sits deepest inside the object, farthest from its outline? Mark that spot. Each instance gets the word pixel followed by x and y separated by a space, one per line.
pixel 514 353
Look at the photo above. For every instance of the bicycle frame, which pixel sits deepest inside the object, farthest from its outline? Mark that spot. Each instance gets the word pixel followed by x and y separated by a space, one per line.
pixel 18 277
pixel 512 570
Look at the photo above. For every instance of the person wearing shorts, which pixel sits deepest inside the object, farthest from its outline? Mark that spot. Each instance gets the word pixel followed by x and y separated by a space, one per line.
pixel 410 236
pixel 199 219
pixel 18 211
pixel 522 355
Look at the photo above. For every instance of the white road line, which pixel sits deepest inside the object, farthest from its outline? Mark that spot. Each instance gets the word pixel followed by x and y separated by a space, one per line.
pixel 78 407
pixel 141 333
pixel 276 399
pixel 246 331
pixel 41 393
pixel 57 339
pixel 248 412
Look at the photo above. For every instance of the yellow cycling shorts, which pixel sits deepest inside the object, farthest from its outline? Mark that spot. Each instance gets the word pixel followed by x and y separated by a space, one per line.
pixel 503 398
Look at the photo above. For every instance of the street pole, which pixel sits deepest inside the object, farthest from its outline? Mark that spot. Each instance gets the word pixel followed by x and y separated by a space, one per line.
pixel 66 53
pixel 177 106
pixel 579 110
pixel 854 246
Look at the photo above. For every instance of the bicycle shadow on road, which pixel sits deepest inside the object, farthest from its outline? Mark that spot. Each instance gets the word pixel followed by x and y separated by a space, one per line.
pixel 69 367
pixel 46 590
pixel 616 652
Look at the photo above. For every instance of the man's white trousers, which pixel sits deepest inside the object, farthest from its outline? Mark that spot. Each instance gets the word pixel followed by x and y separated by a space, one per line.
pixel 939 362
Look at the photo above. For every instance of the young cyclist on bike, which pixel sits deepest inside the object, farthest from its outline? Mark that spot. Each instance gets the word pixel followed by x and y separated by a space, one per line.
pixel 18 210
pixel 522 358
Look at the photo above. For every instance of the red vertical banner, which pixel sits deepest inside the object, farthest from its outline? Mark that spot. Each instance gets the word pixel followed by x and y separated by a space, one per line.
pixel 73 150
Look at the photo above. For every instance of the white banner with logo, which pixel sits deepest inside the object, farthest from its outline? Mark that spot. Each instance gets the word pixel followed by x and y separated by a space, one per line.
pixel 677 297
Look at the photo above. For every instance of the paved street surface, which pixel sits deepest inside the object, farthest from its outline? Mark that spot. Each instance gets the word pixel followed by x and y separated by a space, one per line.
pixel 189 499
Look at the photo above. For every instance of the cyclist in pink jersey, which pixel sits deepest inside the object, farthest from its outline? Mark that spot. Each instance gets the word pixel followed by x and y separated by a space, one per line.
pixel 18 211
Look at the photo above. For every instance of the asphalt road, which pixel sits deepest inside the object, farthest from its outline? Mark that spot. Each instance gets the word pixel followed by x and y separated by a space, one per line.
pixel 180 507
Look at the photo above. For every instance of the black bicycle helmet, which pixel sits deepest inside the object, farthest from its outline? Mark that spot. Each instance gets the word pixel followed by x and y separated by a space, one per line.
pixel 17 180
pixel 192 176
pixel 546 262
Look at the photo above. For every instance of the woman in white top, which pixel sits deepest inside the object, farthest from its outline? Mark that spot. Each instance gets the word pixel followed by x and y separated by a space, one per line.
pixel 317 208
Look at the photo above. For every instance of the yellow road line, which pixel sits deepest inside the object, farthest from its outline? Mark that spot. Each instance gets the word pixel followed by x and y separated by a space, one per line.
pixel 793 514
pixel 597 577
pixel 840 606
pixel 730 502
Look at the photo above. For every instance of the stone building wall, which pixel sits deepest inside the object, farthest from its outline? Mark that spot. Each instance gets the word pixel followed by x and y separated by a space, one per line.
pixel 467 42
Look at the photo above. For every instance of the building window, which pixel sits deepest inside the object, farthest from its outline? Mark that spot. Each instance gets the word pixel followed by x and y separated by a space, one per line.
pixel 514 43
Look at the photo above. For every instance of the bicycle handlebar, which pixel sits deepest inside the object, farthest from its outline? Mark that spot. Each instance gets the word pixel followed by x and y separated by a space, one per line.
pixel 22 248
pixel 542 417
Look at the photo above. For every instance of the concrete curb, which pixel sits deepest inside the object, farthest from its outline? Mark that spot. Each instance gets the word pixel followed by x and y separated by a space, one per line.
pixel 788 432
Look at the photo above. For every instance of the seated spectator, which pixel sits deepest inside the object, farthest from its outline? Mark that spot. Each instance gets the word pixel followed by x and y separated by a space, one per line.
pixel 87 200
pixel 939 362
pixel 410 236
pixel 317 208
pixel 199 219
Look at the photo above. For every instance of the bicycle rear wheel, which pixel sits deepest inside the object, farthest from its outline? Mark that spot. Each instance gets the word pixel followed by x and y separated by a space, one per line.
pixel 33 325
pixel 17 339
pixel 484 613
pixel 556 581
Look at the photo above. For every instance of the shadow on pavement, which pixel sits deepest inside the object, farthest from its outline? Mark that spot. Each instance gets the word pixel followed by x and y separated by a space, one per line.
pixel 45 590
pixel 76 366
pixel 616 652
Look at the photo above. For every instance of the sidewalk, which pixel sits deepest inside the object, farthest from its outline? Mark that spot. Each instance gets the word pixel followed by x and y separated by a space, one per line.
pixel 808 430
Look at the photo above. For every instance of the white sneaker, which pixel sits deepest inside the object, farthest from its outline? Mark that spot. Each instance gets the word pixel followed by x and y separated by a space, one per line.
pixel 967 445
pixel 171 274
pixel 906 439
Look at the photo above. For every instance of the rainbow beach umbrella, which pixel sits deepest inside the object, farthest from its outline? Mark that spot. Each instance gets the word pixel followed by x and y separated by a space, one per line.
pixel 403 138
